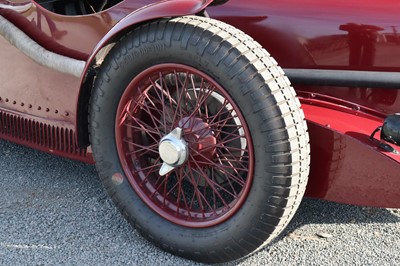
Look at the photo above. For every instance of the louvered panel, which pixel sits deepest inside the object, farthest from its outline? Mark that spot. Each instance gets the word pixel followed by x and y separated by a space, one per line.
pixel 39 134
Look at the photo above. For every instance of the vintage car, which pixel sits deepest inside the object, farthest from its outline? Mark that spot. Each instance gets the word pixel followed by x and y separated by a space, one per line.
pixel 197 134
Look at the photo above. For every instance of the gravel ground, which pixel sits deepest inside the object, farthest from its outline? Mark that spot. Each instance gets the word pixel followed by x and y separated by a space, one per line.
pixel 54 211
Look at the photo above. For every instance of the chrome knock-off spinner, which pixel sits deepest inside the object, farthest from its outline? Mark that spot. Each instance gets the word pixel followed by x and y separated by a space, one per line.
pixel 173 151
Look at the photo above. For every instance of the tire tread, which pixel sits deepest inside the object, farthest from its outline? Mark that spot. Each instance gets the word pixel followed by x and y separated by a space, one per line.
pixel 274 102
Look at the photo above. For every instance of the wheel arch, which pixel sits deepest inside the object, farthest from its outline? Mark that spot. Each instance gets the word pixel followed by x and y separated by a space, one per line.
pixel 138 17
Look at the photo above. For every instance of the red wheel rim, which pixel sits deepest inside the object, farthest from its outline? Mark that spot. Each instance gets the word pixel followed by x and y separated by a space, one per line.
pixel 213 182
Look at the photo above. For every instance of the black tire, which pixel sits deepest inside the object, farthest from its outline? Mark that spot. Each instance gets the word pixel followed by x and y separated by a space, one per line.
pixel 271 112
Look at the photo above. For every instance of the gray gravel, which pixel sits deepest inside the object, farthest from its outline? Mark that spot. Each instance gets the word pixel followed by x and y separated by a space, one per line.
pixel 54 211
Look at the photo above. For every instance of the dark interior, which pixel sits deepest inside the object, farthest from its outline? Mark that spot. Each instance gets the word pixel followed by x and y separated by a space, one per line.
pixel 77 7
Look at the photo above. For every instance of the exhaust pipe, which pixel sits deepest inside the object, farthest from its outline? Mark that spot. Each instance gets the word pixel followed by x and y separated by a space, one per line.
pixel 37 53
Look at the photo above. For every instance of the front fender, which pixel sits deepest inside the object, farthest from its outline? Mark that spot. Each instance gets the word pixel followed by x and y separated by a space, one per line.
pixel 161 9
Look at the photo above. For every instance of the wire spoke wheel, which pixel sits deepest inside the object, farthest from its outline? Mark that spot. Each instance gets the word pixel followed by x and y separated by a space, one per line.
pixel 216 172
pixel 198 138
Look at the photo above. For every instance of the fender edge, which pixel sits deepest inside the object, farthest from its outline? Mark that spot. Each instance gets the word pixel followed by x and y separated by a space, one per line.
pixel 150 12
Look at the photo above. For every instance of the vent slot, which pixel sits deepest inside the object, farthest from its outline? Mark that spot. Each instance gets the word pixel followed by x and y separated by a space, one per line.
pixel 39 134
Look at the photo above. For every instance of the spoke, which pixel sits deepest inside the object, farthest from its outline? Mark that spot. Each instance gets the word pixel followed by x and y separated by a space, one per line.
pixel 215 125
pixel 227 164
pixel 207 114
pixel 242 157
pixel 153 106
pixel 165 189
pixel 160 95
pixel 151 148
pixel 198 105
pixel 218 126
pixel 179 103
pixel 150 114
pixel 165 94
pixel 181 190
pixel 214 198
pixel 238 160
pixel 231 135
pixel 212 163
pixel 199 193
pixel 224 140
pixel 222 168
pixel 234 132
pixel 217 133
pixel 234 168
pixel 155 109
pixel 178 183
pixel 125 111
pixel 173 189
pixel 149 108
pixel 171 99
pixel 143 128
pixel 164 180
pixel 223 158
pixel 203 131
pixel 152 168
pixel 147 128
pixel 188 98
pixel 235 195
pixel 196 191
pixel 204 94
pixel 223 122
pixel 219 113
pixel 217 188
pixel 229 181
pixel 212 184
pixel 195 91
pixel 226 111
pixel 235 159
pixel 232 125
pixel 218 146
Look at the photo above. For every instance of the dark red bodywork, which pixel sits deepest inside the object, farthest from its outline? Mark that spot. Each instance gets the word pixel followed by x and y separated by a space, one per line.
pixel 40 107
pixel 346 166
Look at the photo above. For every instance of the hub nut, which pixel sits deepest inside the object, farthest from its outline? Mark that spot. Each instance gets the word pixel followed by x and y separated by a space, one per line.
pixel 173 151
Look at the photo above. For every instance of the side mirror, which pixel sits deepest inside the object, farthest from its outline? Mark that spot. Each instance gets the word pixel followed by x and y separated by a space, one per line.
pixel 390 131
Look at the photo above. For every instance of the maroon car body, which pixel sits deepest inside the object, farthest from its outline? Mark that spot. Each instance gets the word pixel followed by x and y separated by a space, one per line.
pixel 342 57
pixel 336 35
